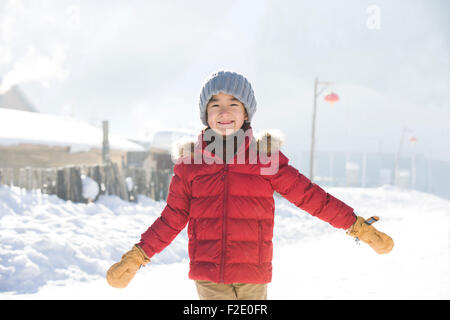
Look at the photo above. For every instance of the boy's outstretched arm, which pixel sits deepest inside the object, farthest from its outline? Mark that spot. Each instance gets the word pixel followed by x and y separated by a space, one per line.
pixel 159 235
pixel 173 218
pixel 308 196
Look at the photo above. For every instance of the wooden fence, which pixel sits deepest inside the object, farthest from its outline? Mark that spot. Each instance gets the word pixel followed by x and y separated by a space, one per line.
pixel 67 182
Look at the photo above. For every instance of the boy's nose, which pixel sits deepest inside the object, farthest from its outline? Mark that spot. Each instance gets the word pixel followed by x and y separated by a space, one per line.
pixel 225 110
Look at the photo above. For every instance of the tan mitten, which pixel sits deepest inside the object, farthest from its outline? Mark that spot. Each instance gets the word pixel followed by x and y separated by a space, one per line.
pixel 120 274
pixel 364 231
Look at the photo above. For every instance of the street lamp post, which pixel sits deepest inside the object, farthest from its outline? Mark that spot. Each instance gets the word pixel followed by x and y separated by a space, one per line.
pixel 316 94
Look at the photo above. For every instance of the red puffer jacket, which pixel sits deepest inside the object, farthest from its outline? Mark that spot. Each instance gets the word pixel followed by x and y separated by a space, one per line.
pixel 230 210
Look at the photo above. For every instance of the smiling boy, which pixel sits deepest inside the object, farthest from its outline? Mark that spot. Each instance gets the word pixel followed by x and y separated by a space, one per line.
pixel 228 205
pixel 225 114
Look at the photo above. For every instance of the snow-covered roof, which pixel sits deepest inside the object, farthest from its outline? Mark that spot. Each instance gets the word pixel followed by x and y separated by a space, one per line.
pixel 18 127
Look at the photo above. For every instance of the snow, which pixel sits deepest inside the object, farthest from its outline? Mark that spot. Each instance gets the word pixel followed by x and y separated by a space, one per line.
pixel 129 183
pixel 38 128
pixel 90 187
pixel 55 249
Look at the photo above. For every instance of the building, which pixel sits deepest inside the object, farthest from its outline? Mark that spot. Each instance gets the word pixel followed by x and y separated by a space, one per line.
pixel 32 139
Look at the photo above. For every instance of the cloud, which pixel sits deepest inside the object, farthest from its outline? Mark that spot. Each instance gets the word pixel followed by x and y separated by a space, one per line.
pixel 8 17
pixel 24 56
pixel 34 66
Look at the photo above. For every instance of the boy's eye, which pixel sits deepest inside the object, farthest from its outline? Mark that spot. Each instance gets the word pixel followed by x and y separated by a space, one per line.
pixel 216 105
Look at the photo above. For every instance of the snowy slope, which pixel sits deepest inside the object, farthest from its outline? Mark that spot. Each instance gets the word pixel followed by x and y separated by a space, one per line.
pixel 39 128
pixel 53 249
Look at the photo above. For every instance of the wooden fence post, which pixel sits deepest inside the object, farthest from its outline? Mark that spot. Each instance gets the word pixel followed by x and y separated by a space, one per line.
pixel 49 177
pixel 105 149
pixel 60 184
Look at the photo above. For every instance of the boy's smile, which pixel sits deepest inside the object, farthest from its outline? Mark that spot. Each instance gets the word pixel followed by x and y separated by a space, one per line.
pixel 225 113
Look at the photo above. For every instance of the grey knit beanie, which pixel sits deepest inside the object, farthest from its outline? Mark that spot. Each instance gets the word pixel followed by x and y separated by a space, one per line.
pixel 230 83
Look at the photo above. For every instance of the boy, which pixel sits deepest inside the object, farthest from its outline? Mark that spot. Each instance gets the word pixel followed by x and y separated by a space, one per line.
pixel 223 188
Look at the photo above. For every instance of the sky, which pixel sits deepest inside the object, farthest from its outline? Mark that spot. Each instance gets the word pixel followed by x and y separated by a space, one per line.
pixel 141 65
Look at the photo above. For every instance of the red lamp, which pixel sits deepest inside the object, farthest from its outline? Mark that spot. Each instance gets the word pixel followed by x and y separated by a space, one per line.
pixel 331 98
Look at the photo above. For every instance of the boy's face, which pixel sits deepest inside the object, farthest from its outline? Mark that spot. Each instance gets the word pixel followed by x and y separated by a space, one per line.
pixel 225 113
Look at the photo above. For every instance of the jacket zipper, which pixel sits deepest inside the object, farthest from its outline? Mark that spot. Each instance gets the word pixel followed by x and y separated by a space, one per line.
pixel 260 242
pixel 224 227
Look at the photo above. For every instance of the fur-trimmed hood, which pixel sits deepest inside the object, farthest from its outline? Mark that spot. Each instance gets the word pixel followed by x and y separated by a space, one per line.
pixel 267 141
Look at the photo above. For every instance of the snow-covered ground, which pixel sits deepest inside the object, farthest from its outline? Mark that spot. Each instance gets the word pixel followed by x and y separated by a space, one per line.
pixel 55 249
